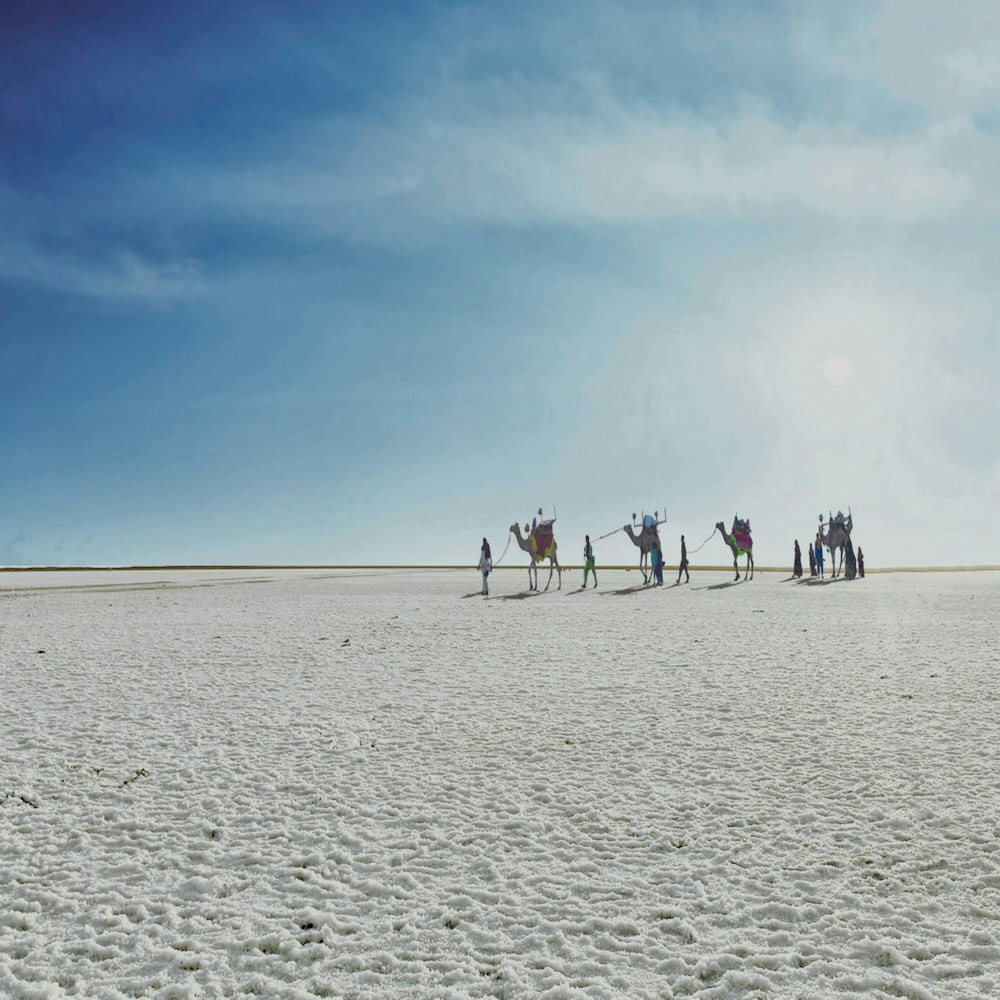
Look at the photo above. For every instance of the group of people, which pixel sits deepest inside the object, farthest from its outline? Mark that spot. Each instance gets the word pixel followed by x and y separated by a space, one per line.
pixel 589 563
pixel 816 559
pixel 655 561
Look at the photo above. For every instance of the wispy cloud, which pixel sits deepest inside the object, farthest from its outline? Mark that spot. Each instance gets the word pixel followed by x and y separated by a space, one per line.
pixel 626 167
pixel 522 150
pixel 116 274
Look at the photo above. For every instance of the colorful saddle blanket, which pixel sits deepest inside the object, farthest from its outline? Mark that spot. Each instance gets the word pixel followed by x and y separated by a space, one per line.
pixel 741 535
pixel 543 541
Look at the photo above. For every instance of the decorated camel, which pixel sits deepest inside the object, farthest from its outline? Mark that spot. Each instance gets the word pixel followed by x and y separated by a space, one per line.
pixel 837 536
pixel 539 542
pixel 647 538
pixel 739 541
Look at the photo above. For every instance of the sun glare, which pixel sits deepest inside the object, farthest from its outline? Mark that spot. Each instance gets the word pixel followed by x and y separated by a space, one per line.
pixel 839 370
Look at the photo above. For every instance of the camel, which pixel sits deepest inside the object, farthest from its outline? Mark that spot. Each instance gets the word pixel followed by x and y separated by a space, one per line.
pixel 836 538
pixel 648 537
pixel 737 548
pixel 548 552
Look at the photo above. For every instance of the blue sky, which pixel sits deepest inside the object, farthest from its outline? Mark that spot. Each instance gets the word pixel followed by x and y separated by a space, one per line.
pixel 321 283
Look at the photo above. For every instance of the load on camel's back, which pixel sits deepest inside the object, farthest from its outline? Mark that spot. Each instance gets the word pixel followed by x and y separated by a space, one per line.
pixel 543 541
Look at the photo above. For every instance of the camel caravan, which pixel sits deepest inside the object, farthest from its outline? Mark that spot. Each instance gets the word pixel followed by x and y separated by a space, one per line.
pixel 538 541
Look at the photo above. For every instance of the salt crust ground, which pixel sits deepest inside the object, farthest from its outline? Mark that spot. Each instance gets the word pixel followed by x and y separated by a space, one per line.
pixel 770 790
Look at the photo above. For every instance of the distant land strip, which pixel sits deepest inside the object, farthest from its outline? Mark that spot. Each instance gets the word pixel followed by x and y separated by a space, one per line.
pixel 428 567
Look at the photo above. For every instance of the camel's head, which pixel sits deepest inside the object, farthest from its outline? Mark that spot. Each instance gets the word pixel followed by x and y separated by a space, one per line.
pixel 720 527
pixel 514 529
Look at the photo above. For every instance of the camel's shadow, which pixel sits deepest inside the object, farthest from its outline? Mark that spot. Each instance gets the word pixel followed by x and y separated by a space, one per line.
pixel 520 596
pixel 642 588
pixel 722 586
pixel 475 593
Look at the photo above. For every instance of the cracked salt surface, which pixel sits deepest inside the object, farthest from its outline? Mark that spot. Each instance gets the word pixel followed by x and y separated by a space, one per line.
pixel 768 790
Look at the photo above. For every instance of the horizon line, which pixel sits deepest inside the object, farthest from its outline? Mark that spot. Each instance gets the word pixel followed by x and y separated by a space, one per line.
pixel 436 566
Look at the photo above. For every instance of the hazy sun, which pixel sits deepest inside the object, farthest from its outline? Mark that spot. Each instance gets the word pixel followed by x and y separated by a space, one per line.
pixel 838 369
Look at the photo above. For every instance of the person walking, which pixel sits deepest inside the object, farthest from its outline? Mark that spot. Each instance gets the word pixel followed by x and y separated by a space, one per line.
pixel 485 565
pixel 861 562
pixel 797 565
pixel 588 562
pixel 812 560
pixel 658 567
pixel 654 556
pixel 683 568
pixel 819 555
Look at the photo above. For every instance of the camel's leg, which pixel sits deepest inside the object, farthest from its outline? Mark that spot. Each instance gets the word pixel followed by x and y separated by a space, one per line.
pixel 750 557
pixel 547 582
pixel 559 568
pixel 531 566
pixel 736 567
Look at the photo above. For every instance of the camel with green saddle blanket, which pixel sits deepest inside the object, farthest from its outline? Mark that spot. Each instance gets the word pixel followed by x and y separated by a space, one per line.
pixel 739 542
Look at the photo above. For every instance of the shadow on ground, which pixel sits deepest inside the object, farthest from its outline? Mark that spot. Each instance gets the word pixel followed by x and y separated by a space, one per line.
pixel 641 588
pixel 519 596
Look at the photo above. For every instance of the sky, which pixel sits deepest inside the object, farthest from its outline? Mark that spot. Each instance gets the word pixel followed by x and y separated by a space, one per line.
pixel 328 283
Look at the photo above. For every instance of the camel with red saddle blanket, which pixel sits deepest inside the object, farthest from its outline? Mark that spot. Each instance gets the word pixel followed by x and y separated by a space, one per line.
pixel 540 543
